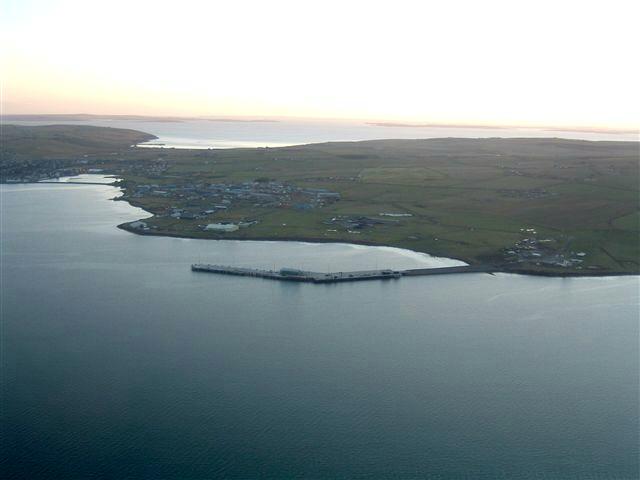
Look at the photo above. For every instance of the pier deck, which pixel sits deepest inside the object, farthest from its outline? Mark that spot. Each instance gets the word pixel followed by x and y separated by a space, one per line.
pixel 293 275
pixel 77 183
pixel 458 269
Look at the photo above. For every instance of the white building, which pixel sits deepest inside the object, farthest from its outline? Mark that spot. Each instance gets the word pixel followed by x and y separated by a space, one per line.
pixel 222 227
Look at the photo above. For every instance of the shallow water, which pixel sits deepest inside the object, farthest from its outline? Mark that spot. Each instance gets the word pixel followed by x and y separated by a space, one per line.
pixel 119 362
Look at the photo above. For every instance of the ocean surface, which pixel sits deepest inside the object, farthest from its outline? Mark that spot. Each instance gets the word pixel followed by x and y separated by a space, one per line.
pixel 118 362
pixel 232 134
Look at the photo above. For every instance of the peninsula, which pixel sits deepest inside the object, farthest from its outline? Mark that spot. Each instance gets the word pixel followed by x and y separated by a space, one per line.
pixel 548 206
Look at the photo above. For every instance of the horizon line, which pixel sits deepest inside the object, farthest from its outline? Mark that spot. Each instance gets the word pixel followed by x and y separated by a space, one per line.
pixel 366 121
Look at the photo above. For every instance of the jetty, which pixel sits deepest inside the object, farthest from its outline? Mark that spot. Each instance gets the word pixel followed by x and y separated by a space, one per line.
pixel 77 183
pixel 296 275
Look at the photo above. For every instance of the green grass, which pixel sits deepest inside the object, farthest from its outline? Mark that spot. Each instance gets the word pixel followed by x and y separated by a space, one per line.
pixel 628 222
pixel 51 141
pixel 400 175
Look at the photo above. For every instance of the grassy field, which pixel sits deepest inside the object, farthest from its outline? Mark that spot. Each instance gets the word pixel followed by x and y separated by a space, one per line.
pixel 472 199
pixel 56 141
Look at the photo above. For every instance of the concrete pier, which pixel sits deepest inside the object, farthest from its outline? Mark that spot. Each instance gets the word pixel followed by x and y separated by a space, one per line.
pixel 53 182
pixel 444 270
pixel 295 275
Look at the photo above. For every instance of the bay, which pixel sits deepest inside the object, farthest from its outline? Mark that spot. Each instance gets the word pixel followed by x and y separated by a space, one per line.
pixel 119 362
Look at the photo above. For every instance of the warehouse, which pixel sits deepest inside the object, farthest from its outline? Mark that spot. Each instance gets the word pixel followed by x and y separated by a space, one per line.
pixel 221 227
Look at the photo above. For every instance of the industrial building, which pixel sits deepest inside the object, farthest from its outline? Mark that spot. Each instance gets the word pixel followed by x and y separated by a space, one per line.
pixel 221 227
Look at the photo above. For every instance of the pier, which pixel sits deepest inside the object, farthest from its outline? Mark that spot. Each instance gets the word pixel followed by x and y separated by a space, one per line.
pixel 295 275
pixel 446 270
pixel 76 183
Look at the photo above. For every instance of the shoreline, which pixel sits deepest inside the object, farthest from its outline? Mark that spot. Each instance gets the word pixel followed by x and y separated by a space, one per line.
pixel 498 268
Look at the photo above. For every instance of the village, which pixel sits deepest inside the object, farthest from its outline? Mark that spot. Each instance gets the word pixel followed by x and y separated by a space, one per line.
pixel 17 170
pixel 203 200
pixel 543 251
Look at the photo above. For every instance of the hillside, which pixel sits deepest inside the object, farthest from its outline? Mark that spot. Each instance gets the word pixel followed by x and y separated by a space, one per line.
pixel 51 141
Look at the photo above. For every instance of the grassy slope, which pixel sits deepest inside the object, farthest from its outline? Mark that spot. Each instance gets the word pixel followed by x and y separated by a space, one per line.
pixel 51 141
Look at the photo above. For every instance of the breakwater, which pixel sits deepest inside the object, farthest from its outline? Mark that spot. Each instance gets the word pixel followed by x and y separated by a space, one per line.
pixel 295 275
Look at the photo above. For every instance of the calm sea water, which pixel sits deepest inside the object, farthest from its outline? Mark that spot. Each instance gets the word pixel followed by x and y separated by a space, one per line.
pixel 119 362
pixel 231 134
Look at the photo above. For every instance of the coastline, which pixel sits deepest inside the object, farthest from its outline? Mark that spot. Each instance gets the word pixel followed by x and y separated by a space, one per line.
pixel 498 268
pixel 319 240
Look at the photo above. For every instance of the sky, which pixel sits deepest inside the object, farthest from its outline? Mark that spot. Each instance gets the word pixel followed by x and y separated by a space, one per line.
pixel 552 63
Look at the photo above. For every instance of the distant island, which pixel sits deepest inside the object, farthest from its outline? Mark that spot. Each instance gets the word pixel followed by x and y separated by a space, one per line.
pixel 503 127
pixel 546 206
pixel 435 125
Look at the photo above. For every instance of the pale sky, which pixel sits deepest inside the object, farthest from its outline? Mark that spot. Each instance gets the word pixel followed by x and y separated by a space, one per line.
pixel 559 62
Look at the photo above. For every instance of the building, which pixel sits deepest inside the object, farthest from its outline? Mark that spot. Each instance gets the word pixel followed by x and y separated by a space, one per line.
pixel 138 224
pixel 292 272
pixel 221 227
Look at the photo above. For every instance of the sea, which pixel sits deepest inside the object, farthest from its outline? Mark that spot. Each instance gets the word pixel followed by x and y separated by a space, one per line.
pixel 119 362
pixel 243 133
